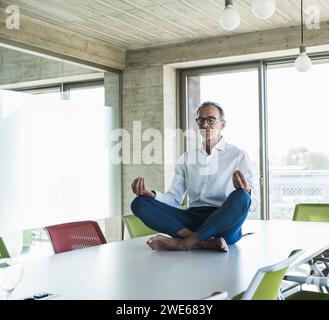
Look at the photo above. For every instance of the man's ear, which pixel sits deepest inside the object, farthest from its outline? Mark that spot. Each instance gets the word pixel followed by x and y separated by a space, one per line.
pixel 223 124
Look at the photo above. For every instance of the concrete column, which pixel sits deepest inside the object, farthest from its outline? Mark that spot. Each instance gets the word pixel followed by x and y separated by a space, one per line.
pixel 113 225
pixel 143 106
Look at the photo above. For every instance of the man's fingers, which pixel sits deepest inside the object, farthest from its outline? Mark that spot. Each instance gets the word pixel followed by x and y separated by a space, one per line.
pixel 240 184
pixel 243 179
pixel 234 182
pixel 142 186
pixel 138 186
pixel 238 181
pixel 133 186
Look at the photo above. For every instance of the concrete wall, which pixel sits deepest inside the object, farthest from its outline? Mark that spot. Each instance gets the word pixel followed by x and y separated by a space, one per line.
pixel 20 68
pixel 214 50
pixel 143 102
pixel 44 37
pixel 145 88
pixel 171 146
pixel 112 100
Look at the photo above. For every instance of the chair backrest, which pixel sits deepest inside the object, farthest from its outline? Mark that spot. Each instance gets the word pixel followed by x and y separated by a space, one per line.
pixel 267 281
pixel 136 228
pixel 75 235
pixel 3 250
pixel 312 212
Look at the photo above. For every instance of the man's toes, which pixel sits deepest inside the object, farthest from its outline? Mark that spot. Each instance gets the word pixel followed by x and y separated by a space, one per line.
pixel 155 246
pixel 149 241
pixel 224 245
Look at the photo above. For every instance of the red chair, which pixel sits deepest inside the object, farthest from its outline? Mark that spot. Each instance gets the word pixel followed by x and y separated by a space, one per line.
pixel 75 235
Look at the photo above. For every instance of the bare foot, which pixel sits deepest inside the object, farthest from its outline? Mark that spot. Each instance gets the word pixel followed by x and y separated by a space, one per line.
pixel 166 243
pixel 218 244
pixel 184 233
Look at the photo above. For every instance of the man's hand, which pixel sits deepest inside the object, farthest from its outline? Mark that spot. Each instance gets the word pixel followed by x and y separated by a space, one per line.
pixel 240 181
pixel 139 188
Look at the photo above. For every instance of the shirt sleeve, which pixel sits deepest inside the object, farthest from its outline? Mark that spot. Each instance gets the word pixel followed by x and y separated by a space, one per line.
pixel 245 168
pixel 175 195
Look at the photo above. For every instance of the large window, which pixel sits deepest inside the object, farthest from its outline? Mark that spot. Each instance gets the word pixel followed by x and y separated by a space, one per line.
pixel 55 124
pixel 237 92
pixel 279 116
pixel 298 128
pixel 56 154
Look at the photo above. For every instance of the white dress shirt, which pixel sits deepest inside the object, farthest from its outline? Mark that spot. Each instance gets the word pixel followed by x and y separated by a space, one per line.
pixel 207 179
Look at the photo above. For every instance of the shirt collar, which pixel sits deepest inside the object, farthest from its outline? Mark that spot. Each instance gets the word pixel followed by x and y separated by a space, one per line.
pixel 221 145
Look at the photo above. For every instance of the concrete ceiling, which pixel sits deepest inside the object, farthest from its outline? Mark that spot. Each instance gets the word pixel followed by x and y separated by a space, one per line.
pixel 136 24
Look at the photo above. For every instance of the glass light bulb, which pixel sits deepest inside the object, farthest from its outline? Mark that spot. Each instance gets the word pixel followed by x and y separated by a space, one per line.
pixel 303 63
pixel 230 18
pixel 263 9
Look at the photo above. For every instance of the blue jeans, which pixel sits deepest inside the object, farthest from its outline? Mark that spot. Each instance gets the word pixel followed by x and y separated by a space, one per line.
pixel 225 221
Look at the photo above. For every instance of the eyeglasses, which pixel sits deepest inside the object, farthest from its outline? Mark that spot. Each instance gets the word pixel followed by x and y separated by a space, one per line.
pixel 210 120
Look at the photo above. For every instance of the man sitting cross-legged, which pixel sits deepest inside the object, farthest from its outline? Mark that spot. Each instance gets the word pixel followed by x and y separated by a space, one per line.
pixel 220 189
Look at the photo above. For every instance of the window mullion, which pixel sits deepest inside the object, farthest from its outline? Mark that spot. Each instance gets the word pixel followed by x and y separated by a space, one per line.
pixel 263 138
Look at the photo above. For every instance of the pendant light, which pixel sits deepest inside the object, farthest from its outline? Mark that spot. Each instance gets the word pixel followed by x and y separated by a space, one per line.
pixel 303 63
pixel 230 18
pixel 263 9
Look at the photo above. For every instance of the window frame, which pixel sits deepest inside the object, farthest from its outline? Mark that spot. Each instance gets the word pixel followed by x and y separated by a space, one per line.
pixel 62 87
pixel 262 66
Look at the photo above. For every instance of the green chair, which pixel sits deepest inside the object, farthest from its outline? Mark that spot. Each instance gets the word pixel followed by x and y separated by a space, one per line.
pixel 314 212
pixel 320 282
pixel 266 283
pixel 136 228
pixel 3 250
pixel 311 212
pixel 308 295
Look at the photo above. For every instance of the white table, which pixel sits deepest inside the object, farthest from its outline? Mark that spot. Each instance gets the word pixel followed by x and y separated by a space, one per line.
pixel 131 270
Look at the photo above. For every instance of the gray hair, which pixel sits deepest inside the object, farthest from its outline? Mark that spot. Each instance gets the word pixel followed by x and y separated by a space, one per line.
pixel 212 104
